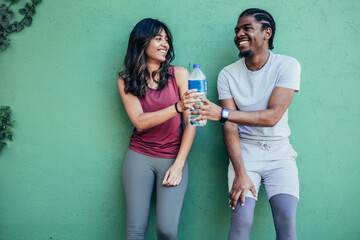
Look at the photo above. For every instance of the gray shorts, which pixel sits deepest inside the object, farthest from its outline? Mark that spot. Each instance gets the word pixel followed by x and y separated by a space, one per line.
pixel 273 163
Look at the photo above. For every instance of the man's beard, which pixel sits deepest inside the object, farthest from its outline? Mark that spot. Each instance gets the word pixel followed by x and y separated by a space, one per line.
pixel 244 54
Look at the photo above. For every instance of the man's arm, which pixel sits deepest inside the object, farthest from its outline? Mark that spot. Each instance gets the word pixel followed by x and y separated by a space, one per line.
pixel 242 183
pixel 279 101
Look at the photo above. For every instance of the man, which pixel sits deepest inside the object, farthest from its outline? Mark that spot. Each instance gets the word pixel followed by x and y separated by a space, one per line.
pixel 255 93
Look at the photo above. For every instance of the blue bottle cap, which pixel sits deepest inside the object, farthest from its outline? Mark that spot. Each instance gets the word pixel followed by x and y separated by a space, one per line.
pixel 196 65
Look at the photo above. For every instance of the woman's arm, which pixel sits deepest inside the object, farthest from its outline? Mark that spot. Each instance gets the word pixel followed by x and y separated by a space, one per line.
pixel 174 173
pixel 142 120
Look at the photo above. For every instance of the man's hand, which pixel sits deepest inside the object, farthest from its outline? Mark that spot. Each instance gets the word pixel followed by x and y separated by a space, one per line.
pixel 172 176
pixel 209 111
pixel 241 185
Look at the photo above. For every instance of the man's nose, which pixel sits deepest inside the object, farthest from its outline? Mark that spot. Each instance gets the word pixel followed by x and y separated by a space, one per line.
pixel 240 33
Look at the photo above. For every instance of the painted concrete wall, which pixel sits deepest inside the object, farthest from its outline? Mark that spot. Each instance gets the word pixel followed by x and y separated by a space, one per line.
pixel 61 177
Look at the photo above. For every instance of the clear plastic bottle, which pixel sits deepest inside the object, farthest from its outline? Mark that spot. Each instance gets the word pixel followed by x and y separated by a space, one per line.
pixel 197 80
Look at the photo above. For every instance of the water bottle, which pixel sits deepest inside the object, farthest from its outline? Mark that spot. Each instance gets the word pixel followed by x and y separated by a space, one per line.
pixel 197 80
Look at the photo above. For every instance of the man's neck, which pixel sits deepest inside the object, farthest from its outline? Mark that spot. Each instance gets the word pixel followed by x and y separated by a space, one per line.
pixel 256 62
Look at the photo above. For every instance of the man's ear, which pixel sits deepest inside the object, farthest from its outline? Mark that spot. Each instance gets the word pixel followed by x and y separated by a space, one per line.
pixel 268 33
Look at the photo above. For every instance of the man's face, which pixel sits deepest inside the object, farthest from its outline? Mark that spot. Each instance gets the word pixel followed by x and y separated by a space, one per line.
pixel 249 38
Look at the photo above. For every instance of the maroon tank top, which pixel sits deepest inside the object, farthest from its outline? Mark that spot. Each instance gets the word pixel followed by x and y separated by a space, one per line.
pixel 163 140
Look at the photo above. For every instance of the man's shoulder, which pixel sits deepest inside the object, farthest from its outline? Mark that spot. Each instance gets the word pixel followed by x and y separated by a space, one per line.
pixel 233 67
pixel 283 59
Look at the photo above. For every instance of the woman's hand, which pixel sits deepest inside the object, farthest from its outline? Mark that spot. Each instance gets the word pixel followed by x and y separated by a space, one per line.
pixel 187 100
pixel 173 176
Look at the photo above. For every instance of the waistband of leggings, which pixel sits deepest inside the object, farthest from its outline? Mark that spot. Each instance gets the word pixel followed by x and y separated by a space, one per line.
pixel 254 141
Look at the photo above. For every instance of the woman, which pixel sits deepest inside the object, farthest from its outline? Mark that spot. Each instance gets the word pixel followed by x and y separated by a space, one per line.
pixel 150 88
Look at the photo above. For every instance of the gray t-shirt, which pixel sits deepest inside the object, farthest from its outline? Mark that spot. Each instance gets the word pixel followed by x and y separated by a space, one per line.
pixel 251 91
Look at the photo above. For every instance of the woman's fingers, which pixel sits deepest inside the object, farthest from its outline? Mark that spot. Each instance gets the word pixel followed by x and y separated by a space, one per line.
pixel 189 98
pixel 166 177
pixel 171 179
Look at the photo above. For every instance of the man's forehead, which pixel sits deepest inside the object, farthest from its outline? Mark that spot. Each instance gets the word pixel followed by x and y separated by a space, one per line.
pixel 246 20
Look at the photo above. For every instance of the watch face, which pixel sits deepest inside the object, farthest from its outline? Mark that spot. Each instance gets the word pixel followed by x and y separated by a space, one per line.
pixel 225 113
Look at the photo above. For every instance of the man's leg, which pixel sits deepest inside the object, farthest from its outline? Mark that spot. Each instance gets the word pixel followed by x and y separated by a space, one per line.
pixel 282 187
pixel 283 208
pixel 241 220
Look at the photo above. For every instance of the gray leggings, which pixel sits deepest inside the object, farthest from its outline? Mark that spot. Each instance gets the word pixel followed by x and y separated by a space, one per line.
pixel 283 207
pixel 141 174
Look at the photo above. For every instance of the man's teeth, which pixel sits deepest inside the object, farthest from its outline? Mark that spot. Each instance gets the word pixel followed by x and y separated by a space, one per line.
pixel 242 42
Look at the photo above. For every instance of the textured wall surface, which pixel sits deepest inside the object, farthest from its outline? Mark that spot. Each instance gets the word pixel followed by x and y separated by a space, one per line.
pixel 61 177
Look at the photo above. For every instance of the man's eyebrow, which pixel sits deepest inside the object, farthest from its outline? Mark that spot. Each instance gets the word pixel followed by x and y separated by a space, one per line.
pixel 246 24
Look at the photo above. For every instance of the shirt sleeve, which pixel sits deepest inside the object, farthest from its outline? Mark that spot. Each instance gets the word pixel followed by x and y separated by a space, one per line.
pixel 223 86
pixel 289 76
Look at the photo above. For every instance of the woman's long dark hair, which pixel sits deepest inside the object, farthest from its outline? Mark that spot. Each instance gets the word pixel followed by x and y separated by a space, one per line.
pixel 136 73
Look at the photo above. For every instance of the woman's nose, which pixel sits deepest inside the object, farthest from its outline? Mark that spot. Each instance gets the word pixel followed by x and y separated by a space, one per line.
pixel 165 43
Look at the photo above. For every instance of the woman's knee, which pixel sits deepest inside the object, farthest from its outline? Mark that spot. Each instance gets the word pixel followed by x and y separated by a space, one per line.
pixel 135 232
pixel 166 232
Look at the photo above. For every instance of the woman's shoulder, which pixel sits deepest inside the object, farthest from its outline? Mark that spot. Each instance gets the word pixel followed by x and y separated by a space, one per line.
pixel 181 75
pixel 121 81
pixel 181 71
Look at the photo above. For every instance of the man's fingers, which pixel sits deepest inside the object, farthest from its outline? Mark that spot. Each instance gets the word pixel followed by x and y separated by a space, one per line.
pixel 199 106
pixel 205 101
pixel 243 196
pixel 253 190
pixel 234 197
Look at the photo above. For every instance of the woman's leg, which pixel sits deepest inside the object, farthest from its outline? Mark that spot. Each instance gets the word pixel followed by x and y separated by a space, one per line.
pixel 283 207
pixel 169 201
pixel 242 220
pixel 138 180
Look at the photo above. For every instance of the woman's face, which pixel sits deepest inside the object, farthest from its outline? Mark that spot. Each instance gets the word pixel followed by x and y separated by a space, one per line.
pixel 158 48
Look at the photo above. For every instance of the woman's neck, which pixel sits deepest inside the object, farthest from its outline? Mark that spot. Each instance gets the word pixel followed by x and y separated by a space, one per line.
pixel 152 67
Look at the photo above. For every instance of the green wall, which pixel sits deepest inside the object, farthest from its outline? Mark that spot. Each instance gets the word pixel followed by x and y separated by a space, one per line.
pixel 61 177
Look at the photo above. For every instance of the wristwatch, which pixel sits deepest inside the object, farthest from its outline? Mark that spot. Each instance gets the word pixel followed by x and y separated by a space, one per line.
pixel 224 115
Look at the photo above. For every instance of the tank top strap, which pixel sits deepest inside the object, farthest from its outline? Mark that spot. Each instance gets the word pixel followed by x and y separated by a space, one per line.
pixel 172 80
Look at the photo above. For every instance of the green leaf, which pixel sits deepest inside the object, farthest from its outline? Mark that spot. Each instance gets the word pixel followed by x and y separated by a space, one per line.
pixel 27 21
pixel 9 15
pixel 31 12
pixel 36 2
pixel 3 46
pixel 19 27
pixel 22 11
pixel 3 7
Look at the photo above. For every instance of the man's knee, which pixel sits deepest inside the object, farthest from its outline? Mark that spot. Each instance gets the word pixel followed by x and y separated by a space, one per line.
pixel 242 217
pixel 243 220
pixel 285 224
pixel 286 217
